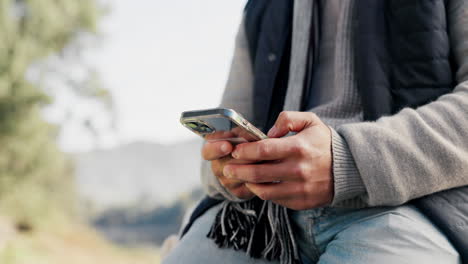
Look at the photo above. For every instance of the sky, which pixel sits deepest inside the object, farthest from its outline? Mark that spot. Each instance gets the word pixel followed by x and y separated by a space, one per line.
pixel 157 58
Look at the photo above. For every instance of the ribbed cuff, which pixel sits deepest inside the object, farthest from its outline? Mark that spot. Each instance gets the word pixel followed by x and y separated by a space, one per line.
pixel 348 182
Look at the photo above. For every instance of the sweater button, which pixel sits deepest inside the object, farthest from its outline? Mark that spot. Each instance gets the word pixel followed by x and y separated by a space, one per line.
pixel 271 57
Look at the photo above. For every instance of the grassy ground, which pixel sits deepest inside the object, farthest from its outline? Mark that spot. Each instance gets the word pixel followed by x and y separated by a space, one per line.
pixel 73 244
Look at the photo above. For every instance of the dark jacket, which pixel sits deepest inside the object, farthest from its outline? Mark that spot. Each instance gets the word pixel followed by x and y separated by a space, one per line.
pixel 403 59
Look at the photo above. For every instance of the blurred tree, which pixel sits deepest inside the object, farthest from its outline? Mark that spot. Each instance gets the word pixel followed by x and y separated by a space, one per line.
pixel 35 177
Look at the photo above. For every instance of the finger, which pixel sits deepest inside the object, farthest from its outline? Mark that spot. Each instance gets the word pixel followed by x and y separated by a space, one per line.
pixel 276 191
pixel 267 149
pixel 289 121
pixel 238 161
pixel 261 173
pixel 229 183
pixel 217 167
pixel 216 150
pixel 235 187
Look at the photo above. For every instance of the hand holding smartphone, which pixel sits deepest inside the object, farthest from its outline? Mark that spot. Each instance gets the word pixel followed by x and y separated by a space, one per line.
pixel 221 124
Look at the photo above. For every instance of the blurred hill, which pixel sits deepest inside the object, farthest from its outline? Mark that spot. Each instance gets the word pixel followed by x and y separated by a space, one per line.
pixel 134 226
pixel 143 173
pixel 138 193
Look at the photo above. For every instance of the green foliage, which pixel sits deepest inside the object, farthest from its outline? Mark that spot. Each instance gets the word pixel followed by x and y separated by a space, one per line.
pixel 35 177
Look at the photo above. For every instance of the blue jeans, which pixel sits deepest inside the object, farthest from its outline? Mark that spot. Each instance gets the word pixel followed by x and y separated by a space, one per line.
pixel 331 235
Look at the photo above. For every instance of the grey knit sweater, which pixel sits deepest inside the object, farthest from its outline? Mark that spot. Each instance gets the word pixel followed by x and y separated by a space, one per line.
pixel 388 162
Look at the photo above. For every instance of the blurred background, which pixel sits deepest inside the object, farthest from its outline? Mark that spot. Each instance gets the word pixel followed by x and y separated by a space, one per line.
pixel 94 165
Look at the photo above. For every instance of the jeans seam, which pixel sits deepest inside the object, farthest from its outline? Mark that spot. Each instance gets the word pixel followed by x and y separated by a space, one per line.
pixel 310 232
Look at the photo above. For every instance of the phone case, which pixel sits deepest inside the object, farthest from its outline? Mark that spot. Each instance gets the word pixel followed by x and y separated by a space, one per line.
pixel 221 124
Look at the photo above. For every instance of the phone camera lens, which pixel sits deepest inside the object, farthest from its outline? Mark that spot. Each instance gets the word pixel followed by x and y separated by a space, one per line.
pixel 192 125
pixel 200 127
pixel 204 128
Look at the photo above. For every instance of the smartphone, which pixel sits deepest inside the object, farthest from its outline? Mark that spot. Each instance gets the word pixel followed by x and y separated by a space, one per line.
pixel 221 124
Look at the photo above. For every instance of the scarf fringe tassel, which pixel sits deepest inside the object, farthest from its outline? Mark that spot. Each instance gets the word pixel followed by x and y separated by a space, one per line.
pixel 260 228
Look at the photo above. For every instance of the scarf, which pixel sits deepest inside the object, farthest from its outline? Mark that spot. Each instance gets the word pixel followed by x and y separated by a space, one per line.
pixel 261 228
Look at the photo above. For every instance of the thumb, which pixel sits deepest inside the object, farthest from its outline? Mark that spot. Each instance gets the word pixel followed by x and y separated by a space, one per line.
pixel 292 122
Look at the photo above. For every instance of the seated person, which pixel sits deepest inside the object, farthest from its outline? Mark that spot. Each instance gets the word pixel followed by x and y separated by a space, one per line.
pixel 376 92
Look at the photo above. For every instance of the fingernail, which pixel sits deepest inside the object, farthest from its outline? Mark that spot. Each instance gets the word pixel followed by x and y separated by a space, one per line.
pixel 235 155
pixel 228 173
pixel 272 131
pixel 225 148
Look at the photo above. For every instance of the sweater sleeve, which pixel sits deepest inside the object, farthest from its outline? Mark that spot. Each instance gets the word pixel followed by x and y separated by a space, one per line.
pixel 417 151
pixel 347 180
pixel 238 95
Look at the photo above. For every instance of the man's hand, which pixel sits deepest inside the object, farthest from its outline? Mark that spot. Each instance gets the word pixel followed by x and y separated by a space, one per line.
pixel 298 174
pixel 218 153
